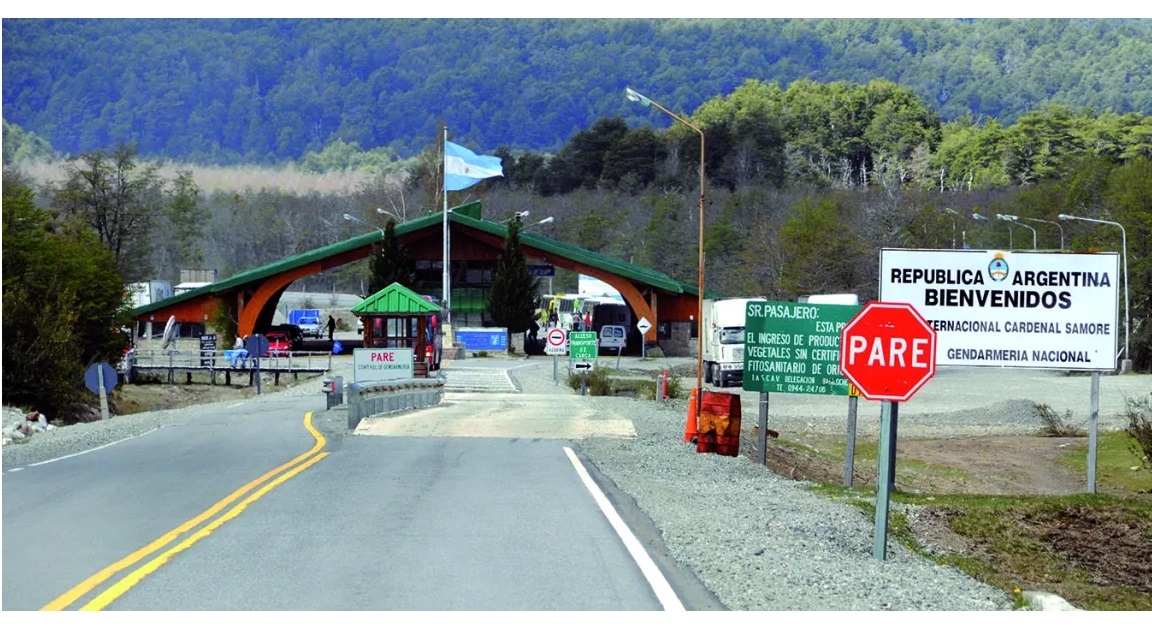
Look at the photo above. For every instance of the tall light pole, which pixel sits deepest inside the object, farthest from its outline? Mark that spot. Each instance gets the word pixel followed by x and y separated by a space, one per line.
pixel 980 217
pixel 644 101
pixel 1012 218
pixel 1126 365
pixel 952 215
pixel 1061 227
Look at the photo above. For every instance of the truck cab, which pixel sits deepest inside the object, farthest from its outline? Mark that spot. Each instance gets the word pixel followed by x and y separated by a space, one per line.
pixel 723 340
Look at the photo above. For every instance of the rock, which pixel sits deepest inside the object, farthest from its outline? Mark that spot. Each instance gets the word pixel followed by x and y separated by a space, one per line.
pixel 16 434
pixel 1048 602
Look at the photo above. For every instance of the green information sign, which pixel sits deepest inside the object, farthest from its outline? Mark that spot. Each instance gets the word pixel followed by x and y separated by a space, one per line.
pixel 795 347
pixel 582 345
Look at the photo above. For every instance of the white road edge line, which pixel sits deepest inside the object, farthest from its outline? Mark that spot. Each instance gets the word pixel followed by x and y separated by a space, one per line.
pixel 12 470
pixel 92 450
pixel 655 577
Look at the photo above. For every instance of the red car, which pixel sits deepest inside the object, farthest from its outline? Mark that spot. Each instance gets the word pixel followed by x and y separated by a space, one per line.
pixel 279 343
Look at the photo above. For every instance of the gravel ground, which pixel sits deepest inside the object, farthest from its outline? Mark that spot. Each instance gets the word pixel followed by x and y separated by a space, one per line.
pixel 757 540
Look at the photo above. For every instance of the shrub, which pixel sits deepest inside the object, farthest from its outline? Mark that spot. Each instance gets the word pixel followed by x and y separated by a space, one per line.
pixel 598 381
pixel 675 387
pixel 1054 425
pixel 1139 412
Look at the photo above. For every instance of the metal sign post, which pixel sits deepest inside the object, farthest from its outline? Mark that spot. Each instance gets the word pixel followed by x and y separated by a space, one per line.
pixel 643 326
pixel 888 413
pixel 762 435
pixel 555 341
pixel 1093 419
pixel 257 347
pixel 100 378
pixel 850 448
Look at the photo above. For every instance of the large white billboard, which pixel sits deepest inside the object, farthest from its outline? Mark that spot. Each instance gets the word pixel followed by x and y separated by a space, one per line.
pixel 997 308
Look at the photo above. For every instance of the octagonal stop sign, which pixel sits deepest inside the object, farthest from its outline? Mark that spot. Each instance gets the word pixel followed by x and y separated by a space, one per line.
pixel 888 351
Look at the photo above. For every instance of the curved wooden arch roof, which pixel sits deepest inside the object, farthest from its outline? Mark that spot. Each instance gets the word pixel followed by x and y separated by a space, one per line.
pixel 268 281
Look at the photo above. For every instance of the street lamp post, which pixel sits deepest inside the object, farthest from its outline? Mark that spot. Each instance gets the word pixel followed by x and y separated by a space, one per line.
pixel 391 214
pixel 980 217
pixel 1012 218
pixel 952 215
pixel 1126 365
pixel 1060 227
pixel 644 101
pixel 540 222
pixel 349 217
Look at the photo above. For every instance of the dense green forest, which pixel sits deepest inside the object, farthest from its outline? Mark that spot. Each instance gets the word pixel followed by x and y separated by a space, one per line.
pixel 806 178
pixel 243 90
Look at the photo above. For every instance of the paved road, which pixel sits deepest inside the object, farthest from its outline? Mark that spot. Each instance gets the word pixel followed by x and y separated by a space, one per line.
pixel 362 522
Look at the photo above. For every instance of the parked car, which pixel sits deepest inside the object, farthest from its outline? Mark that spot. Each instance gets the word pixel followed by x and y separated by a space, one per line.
pixel 279 343
pixel 310 325
pixel 295 333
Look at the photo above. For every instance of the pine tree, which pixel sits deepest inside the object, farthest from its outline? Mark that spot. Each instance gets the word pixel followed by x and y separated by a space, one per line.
pixel 390 263
pixel 513 300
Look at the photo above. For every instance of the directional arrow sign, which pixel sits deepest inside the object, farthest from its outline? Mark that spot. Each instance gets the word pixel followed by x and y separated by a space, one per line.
pixel 582 366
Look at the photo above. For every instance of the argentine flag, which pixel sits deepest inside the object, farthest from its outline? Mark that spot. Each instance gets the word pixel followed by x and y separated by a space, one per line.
pixel 464 168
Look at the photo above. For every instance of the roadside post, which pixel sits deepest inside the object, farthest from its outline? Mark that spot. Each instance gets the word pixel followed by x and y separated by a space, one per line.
pixel 850 437
pixel 792 348
pixel 257 345
pixel 100 378
pixel 1093 421
pixel 888 351
pixel 643 326
pixel 554 343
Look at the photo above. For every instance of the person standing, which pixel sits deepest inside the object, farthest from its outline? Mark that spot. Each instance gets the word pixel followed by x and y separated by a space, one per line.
pixel 587 320
pixel 331 326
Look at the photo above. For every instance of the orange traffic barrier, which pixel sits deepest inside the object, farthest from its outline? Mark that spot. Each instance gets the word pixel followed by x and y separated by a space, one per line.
pixel 690 430
pixel 719 426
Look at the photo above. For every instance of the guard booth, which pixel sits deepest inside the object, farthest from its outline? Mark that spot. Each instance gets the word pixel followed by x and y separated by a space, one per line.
pixel 398 318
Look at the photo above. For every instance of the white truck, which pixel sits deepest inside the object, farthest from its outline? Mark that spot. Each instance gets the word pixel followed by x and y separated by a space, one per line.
pixel 723 340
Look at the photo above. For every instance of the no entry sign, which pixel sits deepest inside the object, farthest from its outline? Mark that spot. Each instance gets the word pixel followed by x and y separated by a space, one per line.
pixel 555 341
pixel 888 351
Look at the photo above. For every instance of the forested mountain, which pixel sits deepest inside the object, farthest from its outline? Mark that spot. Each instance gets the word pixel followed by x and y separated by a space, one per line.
pixel 227 91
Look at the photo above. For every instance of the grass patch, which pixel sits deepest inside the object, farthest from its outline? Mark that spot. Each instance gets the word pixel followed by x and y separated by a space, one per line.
pixel 1114 463
pixel 1092 550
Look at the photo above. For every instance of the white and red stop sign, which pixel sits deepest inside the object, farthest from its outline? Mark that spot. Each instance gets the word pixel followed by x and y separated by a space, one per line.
pixel 888 351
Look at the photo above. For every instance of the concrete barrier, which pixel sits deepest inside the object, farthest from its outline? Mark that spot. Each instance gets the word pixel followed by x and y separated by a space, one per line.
pixel 373 398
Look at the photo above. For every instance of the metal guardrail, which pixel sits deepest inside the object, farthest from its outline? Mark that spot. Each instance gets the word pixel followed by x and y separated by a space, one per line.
pixel 296 361
pixel 365 399
pixel 189 362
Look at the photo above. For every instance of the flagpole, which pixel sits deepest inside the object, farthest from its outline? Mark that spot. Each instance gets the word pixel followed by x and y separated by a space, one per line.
pixel 445 300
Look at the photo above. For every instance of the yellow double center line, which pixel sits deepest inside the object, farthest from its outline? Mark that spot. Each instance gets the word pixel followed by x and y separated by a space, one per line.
pixel 278 475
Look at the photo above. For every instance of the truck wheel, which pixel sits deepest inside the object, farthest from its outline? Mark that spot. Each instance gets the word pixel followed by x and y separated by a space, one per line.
pixel 707 373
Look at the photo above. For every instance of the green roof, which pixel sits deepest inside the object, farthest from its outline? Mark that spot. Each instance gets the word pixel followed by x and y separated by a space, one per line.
pixel 462 216
pixel 581 255
pixel 395 299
